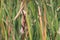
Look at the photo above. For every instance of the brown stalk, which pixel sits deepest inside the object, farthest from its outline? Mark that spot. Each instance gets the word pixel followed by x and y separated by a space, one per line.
pixel 45 22
pixel 40 19
pixel 21 7
pixel 23 22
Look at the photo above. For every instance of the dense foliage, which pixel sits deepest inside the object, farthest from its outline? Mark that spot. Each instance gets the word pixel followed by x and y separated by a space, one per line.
pixel 29 19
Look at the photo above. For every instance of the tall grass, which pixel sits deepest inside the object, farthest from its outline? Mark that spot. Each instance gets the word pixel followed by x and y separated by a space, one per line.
pixel 29 19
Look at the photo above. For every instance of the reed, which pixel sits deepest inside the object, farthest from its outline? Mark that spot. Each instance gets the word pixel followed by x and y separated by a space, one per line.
pixel 29 20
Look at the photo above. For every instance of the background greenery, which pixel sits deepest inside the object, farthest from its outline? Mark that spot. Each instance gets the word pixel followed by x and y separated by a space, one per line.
pixel 42 19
